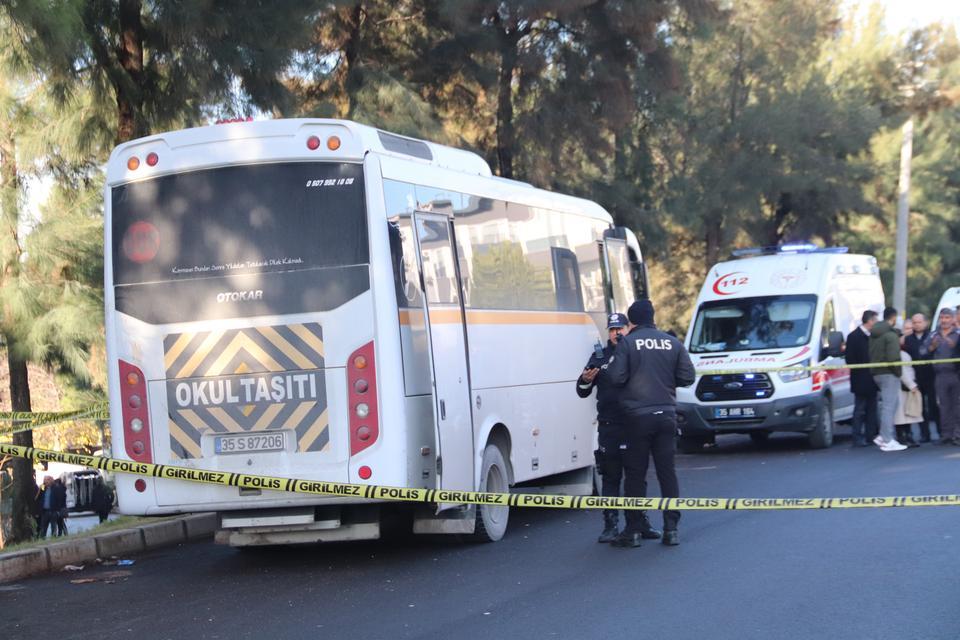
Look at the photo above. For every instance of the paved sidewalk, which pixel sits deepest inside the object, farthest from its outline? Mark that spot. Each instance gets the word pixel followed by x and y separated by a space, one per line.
pixel 119 542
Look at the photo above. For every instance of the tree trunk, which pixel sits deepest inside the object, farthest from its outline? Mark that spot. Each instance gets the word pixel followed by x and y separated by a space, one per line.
pixel 713 239
pixel 351 55
pixel 20 525
pixel 130 120
pixel 17 488
pixel 779 223
pixel 505 130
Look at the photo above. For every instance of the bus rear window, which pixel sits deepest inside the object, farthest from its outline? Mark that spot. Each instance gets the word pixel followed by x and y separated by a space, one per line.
pixel 239 220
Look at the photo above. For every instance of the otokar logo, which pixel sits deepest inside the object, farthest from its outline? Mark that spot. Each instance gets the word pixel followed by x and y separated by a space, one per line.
pixel 240 296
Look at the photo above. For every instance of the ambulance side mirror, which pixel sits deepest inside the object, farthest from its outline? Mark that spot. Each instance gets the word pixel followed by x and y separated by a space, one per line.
pixel 835 344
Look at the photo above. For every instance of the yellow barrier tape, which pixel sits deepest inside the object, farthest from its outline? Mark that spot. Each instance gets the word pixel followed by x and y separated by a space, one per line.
pixel 406 494
pixel 824 367
pixel 28 420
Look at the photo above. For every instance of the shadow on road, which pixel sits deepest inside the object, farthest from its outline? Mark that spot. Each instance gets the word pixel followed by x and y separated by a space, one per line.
pixel 776 443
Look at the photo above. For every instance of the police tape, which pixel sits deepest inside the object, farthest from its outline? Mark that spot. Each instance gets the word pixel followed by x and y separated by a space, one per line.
pixel 431 496
pixel 823 367
pixel 28 420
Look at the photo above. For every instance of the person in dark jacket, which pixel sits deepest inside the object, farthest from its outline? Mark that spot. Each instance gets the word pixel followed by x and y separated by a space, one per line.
pixel 884 349
pixel 52 500
pixel 912 343
pixel 944 344
pixel 101 499
pixel 650 365
pixel 865 425
pixel 609 427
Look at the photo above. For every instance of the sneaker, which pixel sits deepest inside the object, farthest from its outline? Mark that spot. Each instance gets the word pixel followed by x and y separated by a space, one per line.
pixel 893 445
pixel 878 441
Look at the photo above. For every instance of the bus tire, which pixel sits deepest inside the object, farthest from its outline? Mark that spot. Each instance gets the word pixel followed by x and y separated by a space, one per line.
pixel 822 435
pixel 494 478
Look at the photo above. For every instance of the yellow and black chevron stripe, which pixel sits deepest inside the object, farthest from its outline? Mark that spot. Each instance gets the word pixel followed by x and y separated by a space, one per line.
pixel 217 361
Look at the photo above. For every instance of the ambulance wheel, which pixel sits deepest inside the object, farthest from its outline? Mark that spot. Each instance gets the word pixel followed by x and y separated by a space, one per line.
pixel 759 437
pixel 492 519
pixel 822 435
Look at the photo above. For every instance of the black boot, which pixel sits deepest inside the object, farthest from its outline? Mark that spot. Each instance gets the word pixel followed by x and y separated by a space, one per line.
pixel 671 537
pixel 611 519
pixel 647 532
pixel 905 435
pixel 628 539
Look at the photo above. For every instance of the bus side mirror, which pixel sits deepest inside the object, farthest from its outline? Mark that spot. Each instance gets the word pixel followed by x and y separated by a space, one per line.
pixel 835 344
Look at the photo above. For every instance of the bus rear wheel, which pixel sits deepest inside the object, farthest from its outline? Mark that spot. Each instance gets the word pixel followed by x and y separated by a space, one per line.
pixel 492 519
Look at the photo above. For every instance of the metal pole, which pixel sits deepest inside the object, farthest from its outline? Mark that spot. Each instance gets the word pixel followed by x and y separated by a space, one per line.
pixel 903 222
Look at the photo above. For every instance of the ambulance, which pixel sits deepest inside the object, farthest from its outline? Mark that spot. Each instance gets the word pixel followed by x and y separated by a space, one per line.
pixel 949 300
pixel 775 308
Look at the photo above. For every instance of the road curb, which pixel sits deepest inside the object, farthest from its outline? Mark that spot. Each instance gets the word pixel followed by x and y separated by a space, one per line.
pixel 53 557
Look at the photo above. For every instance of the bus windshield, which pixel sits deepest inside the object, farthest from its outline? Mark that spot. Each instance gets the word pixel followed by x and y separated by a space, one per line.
pixel 746 324
pixel 240 219
pixel 239 241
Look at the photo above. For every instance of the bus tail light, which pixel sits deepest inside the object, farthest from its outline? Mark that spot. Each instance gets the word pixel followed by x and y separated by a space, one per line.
pixel 362 396
pixel 136 418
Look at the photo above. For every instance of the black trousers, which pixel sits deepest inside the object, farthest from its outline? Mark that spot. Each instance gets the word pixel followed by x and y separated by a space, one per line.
pixel 866 423
pixel 609 438
pixel 656 435
pixel 931 412
pixel 49 519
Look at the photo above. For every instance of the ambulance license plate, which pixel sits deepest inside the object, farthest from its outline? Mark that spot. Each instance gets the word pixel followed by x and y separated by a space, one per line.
pixel 249 443
pixel 734 413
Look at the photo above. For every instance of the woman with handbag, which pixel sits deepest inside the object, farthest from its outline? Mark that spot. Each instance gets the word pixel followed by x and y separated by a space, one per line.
pixel 910 409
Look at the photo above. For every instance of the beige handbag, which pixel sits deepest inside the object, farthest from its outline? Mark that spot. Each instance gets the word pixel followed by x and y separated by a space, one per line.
pixel 913 405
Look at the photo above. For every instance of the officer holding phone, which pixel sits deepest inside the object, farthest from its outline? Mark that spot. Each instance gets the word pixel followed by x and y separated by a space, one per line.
pixel 647 367
pixel 609 424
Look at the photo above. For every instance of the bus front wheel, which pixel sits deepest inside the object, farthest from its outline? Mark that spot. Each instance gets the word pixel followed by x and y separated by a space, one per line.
pixel 492 519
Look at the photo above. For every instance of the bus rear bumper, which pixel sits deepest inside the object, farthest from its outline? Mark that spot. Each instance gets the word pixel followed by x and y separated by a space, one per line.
pixel 303 525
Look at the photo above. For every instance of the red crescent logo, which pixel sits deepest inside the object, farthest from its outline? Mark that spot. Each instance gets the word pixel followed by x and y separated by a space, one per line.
pixel 730 283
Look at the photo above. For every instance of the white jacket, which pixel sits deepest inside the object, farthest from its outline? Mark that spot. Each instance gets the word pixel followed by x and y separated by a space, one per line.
pixel 910 408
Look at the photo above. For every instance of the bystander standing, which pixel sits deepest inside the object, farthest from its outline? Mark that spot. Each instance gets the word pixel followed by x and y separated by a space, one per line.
pixel 884 350
pixel 942 345
pixel 865 425
pixel 913 340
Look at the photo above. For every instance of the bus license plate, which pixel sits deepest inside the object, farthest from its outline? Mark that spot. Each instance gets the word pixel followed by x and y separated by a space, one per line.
pixel 249 443
pixel 734 413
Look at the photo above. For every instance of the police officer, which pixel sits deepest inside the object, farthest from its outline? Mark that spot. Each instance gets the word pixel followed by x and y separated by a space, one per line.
pixel 609 426
pixel 650 365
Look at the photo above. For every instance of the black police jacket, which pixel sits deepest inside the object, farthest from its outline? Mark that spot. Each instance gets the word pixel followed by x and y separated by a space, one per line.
pixel 650 364
pixel 608 405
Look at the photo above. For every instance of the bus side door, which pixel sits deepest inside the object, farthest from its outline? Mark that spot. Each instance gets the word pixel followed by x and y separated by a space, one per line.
pixel 446 335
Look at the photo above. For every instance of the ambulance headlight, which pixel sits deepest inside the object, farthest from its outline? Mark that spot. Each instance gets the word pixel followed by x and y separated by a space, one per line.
pixel 363 410
pixel 793 374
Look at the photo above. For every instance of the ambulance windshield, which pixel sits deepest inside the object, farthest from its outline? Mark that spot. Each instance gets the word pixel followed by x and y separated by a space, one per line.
pixel 746 324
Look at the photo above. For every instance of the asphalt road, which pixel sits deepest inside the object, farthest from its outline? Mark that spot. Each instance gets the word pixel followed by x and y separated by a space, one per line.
pixel 876 574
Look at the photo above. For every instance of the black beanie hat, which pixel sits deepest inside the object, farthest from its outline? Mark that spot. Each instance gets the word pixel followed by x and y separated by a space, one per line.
pixel 641 312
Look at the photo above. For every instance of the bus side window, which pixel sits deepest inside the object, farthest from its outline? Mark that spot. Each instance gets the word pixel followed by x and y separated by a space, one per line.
pixel 400 200
pixel 638 271
pixel 566 275
pixel 406 278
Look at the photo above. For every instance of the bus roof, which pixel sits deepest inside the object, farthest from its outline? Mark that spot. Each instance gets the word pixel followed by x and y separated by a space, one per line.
pixel 287 140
